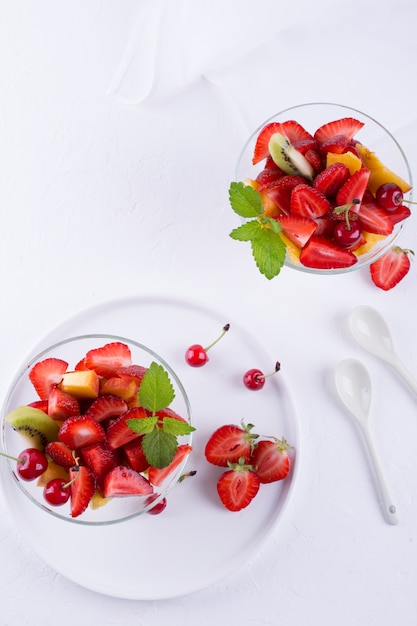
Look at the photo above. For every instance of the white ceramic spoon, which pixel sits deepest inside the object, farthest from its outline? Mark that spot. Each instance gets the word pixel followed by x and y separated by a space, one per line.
pixel 371 332
pixel 353 385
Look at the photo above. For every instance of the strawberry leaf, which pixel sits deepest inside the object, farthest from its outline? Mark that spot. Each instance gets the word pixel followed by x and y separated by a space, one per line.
pixel 245 200
pixel 159 447
pixel 268 251
pixel 176 427
pixel 156 391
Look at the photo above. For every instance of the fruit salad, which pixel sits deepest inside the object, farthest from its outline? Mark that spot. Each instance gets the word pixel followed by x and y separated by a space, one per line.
pixel 320 199
pixel 101 430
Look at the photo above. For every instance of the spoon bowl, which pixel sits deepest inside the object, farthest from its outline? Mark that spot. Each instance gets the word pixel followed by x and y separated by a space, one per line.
pixel 370 330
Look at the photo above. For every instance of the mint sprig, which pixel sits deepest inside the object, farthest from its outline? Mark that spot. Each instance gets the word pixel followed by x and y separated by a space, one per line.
pixel 160 434
pixel 268 249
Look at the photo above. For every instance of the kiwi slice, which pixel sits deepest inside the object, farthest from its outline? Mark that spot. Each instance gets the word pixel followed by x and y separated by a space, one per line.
pixel 288 158
pixel 33 424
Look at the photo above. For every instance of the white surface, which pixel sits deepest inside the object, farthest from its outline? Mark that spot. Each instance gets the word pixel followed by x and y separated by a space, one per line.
pixel 183 535
pixel 110 190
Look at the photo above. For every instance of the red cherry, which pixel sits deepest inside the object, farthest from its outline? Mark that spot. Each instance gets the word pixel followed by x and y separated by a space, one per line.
pixel 347 235
pixel 159 507
pixel 196 355
pixel 30 463
pixel 254 379
pixel 389 196
pixel 57 491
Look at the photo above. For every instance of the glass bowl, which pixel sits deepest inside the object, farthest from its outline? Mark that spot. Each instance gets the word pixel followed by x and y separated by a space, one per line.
pixel 372 135
pixel 22 392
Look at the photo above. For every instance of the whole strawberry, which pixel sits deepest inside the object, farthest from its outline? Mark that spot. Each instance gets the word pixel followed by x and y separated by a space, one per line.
pixel 238 486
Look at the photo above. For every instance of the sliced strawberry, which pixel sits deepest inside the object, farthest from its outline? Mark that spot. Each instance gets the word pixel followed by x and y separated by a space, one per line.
pixel 105 361
pixel 337 145
pixel 83 486
pixel 373 218
pixel 168 412
pixel 268 178
pixel 118 433
pixel 320 253
pixel 62 404
pixel 47 374
pixel 237 488
pixel 399 214
pixel 347 126
pixel 314 158
pixel 80 431
pixel 308 202
pixel 137 372
pixel 135 455
pixel 271 460
pixel 105 407
pixel 230 443
pixel 304 145
pixel 60 454
pixel 390 268
pixel 291 129
pixel 331 179
pixel 297 228
pixel 42 405
pixel 324 225
pixel 354 188
pixel 280 192
pixel 124 481
pixel 100 459
pixel 157 476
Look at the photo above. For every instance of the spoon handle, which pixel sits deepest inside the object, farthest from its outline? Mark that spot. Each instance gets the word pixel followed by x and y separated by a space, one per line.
pixel 404 373
pixel 387 504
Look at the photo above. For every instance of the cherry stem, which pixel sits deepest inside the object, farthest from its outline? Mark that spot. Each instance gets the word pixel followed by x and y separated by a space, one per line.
pixel 225 329
pixel 277 368
pixel 18 459
pixel 69 483
pixel 187 475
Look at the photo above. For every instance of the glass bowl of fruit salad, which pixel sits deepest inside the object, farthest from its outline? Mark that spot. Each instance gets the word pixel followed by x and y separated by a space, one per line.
pixel 96 429
pixel 322 188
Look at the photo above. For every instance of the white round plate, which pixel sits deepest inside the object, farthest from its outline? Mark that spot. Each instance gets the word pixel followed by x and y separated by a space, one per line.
pixel 195 542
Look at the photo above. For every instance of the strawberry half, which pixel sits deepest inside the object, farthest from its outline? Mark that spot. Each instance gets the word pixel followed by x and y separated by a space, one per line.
pixel 62 404
pixel 107 406
pixel 134 454
pixel 280 191
pixel 83 486
pixel 100 459
pixel 271 460
pixel 320 253
pixel 59 453
pixel 124 481
pixel 347 126
pixel 158 475
pixel 297 228
pixel 291 129
pixel 354 188
pixel 391 268
pixel 118 433
pixel 308 202
pixel 238 487
pixel 331 179
pixel 105 361
pixel 229 443
pixel 80 431
pixel 47 374
pixel 268 177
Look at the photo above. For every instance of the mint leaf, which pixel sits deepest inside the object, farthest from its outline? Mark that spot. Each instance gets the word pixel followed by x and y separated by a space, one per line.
pixel 269 251
pixel 156 391
pixel 159 447
pixel 273 224
pixel 245 200
pixel 176 427
pixel 247 231
pixel 142 425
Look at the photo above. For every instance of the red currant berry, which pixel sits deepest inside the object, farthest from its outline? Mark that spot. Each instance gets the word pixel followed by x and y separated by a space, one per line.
pixel 389 196
pixel 57 491
pixel 196 355
pixel 159 507
pixel 347 235
pixel 254 379
pixel 31 463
